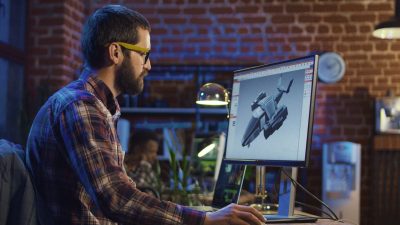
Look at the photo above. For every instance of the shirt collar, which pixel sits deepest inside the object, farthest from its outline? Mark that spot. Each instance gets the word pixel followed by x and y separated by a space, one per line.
pixel 102 92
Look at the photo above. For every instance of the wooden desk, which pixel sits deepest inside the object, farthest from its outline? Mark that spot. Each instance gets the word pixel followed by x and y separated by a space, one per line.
pixel 328 222
pixel 319 221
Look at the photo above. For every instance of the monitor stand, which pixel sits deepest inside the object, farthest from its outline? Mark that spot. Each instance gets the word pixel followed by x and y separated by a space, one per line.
pixel 287 194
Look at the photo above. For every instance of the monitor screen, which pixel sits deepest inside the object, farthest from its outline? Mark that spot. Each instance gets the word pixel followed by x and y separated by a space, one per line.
pixel 271 113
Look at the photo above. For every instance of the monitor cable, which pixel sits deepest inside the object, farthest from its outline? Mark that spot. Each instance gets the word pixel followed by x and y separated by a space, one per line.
pixel 317 209
pixel 274 196
pixel 295 183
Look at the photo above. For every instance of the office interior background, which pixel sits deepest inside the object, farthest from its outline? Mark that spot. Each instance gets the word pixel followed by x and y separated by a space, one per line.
pixel 195 41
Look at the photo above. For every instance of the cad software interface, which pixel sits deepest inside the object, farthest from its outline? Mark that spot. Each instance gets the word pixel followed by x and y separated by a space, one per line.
pixel 270 111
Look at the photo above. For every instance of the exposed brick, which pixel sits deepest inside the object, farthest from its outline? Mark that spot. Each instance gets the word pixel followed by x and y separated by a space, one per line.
pixel 382 56
pixel 300 39
pixel 337 29
pixel 325 7
pixel 298 8
pixel 381 46
pixel 323 29
pixel 309 19
pixel 194 11
pixel 247 9
pixel 363 18
pixel 228 20
pixel 175 20
pixel 327 39
pixel 273 9
pixel 296 29
pixel 165 10
pixel 310 29
pixel 252 20
pixel 282 19
pixel 335 19
pixel 354 38
pixel 352 7
pixel 201 21
pixel 379 7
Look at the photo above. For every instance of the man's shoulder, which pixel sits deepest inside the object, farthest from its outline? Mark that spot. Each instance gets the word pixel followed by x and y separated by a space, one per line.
pixel 73 92
pixel 68 95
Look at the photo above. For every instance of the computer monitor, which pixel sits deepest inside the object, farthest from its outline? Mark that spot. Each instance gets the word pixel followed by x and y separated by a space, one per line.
pixel 271 113
pixel 271 118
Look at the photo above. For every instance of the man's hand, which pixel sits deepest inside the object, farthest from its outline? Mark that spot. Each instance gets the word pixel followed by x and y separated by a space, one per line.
pixel 235 214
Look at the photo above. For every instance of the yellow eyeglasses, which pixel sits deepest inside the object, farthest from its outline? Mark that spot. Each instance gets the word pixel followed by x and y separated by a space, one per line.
pixel 142 51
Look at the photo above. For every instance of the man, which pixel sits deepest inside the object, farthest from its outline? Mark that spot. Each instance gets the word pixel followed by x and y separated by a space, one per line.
pixel 73 151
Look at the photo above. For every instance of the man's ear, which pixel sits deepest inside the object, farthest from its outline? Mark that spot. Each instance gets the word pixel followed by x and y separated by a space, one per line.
pixel 114 53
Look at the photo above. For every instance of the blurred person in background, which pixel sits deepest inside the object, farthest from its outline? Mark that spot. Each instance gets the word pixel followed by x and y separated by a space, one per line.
pixel 141 161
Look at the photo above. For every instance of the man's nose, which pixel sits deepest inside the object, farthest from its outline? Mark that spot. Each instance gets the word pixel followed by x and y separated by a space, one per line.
pixel 147 65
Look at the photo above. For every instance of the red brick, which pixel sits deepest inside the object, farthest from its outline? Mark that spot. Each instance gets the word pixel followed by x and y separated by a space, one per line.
pixel 167 11
pixel 252 20
pixel 300 39
pixel 309 19
pixel 298 8
pixel 194 11
pixel 247 9
pixel 201 21
pixel 331 38
pixel 352 7
pixel 363 18
pixel 175 20
pixel 228 20
pixel 273 9
pixel 381 46
pixel 221 10
pixel 382 56
pixel 335 19
pixel 325 7
pixel 282 19
pixel 354 38
pixel 379 7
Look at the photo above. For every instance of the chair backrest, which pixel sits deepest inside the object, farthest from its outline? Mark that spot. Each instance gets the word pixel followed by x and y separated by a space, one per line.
pixel 17 196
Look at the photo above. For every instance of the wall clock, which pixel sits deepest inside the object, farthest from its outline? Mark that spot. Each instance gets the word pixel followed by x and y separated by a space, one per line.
pixel 331 67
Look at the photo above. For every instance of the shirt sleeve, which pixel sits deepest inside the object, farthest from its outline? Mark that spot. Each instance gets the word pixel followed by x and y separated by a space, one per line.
pixel 91 148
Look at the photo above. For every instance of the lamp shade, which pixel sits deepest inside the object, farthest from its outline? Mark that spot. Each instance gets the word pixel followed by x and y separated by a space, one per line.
pixel 389 29
pixel 212 94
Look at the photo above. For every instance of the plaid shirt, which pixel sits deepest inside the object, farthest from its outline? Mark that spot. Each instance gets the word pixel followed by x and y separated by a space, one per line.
pixel 76 162
pixel 144 175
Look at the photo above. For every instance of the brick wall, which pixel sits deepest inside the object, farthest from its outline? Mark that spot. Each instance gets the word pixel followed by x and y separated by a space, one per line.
pixel 252 32
pixel 53 30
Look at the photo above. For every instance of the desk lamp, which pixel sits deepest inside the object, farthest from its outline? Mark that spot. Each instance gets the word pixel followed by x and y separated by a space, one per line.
pixel 212 94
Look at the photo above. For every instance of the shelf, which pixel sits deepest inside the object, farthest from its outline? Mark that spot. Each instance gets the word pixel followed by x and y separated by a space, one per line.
pixel 387 142
pixel 215 111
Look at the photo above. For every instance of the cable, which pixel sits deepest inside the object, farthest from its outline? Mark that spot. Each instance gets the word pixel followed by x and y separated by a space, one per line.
pixel 295 183
pixel 274 195
pixel 347 221
pixel 317 209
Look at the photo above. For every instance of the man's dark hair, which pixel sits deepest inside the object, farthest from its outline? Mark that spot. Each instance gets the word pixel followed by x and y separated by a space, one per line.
pixel 109 24
pixel 141 137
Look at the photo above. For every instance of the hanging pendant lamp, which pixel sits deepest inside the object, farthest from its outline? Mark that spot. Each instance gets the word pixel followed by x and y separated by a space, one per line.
pixel 389 29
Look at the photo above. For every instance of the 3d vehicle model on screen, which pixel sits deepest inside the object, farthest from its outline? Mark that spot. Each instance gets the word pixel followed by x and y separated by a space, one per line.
pixel 266 114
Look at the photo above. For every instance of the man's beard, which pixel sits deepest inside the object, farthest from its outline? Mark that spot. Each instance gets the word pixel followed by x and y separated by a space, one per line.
pixel 126 82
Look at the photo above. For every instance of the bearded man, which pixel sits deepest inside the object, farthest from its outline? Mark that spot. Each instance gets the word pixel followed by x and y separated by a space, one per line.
pixel 73 151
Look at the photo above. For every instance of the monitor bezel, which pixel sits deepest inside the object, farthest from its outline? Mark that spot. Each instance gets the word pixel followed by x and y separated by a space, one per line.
pixel 283 163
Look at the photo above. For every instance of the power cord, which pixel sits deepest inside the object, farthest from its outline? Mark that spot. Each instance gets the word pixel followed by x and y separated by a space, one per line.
pixel 273 195
pixel 317 209
pixel 295 183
